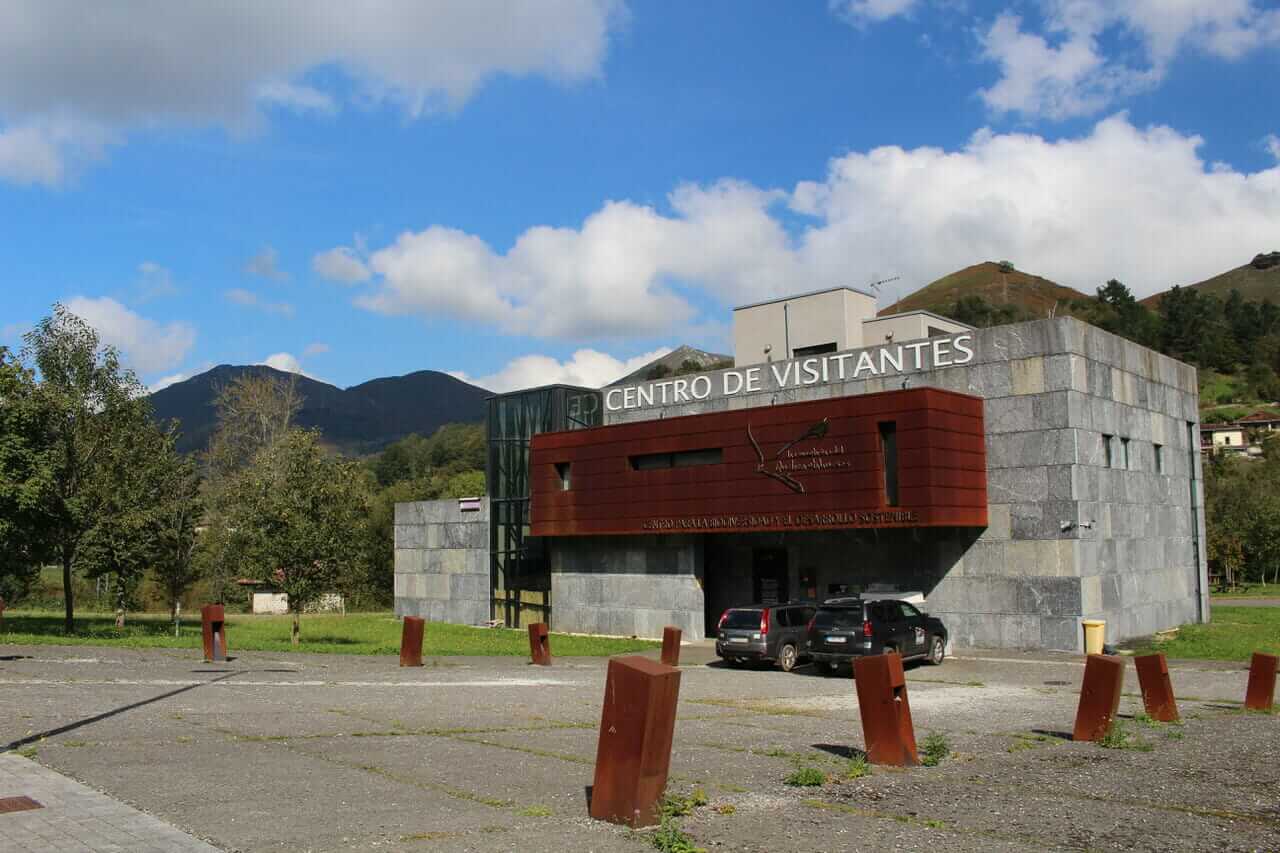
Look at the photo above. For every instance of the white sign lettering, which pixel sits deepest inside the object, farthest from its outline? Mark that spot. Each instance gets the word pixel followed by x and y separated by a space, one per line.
pixel 837 367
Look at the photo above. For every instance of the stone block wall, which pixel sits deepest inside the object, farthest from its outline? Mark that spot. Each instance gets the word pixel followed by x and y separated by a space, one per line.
pixel 1068 537
pixel 442 562
pixel 627 585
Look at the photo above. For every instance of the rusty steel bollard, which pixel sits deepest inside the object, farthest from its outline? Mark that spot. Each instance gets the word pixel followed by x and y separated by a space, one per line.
pixel 539 644
pixel 886 716
pixel 213 631
pixel 671 645
pixel 1261 692
pixel 1157 689
pixel 633 756
pixel 1099 696
pixel 411 641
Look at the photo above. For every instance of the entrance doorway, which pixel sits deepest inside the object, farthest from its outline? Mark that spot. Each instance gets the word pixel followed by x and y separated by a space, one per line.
pixel 770 581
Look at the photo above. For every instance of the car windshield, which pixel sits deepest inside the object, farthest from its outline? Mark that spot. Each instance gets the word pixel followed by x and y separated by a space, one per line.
pixel 838 618
pixel 742 619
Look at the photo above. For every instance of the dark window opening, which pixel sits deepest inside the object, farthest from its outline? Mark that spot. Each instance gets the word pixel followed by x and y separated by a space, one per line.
pixel 1124 453
pixel 1106 451
pixel 678 459
pixel 889 456
pixel 562 469
pixel 1159 458
pixel 816 349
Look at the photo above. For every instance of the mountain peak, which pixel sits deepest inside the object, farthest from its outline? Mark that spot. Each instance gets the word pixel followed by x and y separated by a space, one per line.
pixel 359 419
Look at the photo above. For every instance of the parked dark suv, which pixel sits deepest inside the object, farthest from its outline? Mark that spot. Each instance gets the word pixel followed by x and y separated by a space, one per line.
pixel 843 629
pixel 764 632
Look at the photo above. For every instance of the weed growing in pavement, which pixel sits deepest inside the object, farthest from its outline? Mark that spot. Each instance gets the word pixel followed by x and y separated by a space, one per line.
pixel 727 808
pixel 935 749
pixel 1118 737
pixel 1173 734
pixel 858 767
pixel 670 838
pixel 28 752
pixel 806 777
pixel 535 811
pixel 1142 718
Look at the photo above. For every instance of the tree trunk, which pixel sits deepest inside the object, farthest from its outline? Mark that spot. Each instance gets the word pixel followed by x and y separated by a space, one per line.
pixel 69 625
pixel 296 626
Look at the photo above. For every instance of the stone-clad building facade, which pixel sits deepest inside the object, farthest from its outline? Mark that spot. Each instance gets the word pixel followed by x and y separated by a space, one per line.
pixel 1094 507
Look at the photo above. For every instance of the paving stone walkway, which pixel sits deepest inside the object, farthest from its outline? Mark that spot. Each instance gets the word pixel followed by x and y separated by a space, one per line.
pixel 77 818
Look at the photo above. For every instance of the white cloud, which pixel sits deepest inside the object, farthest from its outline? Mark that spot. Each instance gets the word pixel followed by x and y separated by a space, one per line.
pixel 154 281
pixel 1066 71
pixel 341 264
pixel 610 278
pixel 283 361
pixel 1117 202
pixel 249 299
pixel 864 11
pixel 146 345
pixel 165 381
pixel 214 63
pixel 587 367
pixel 317 348
pixel 266 264
pixel 1272 144
pixel 297 97
pixel 48 151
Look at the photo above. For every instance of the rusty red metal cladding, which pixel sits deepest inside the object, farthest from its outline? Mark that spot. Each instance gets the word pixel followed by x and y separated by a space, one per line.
pixel 539 644
pixel 671 645
pixel 814 465
pixel 633 755
pixel 1157 689
pixel 411 641
pixel 1261 692
pixel 886 714
pixel 1099 697
pixel 18 804
pixel 213 631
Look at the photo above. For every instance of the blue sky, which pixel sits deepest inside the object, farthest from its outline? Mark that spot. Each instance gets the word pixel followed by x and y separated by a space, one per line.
pixel 558 191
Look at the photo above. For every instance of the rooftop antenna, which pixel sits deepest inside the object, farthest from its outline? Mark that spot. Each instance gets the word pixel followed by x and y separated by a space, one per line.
pixel 875 286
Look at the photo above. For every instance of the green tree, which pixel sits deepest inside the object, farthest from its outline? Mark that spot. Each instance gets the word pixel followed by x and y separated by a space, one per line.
pixel 94 408
pixel 179 510
pixel 26 484
pixel 296 514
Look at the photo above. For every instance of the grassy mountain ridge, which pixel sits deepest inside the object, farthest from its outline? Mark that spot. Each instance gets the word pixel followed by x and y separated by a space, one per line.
pixel 359 419
pixel 995 283
pixel 1255 280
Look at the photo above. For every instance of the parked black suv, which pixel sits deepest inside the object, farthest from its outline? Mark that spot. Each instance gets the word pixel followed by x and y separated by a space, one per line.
pixel 764 632
pixel 843 629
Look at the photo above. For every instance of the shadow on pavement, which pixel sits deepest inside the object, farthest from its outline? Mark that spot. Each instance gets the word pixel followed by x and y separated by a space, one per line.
pixel 70 727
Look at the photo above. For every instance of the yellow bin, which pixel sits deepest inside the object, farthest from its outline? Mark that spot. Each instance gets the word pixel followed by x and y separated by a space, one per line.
pixel 1095 632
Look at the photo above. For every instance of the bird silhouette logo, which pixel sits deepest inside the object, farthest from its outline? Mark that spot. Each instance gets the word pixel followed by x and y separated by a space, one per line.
pixel 817 431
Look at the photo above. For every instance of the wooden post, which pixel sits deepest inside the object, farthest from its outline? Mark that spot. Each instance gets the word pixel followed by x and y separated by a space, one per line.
pixel 539 644
pixel 887 730
pixel 671 645
pixel 1099 696
pixel 633 755
pixel 1261 692
pixel 213 631
pixel 411 641
pixel 1157 689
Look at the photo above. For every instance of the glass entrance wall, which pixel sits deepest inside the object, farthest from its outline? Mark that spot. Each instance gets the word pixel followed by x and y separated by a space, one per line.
pixel 519 574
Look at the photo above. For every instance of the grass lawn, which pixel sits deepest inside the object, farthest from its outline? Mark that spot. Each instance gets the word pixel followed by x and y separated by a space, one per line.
pixel 1234 634
pixel 1255 590
pixel 353 634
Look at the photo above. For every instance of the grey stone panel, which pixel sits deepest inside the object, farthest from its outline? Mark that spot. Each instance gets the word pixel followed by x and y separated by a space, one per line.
pixel 1020 450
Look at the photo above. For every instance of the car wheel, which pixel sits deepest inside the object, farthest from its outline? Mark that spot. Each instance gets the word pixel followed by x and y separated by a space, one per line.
pixel 937 650
pixel 788 657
